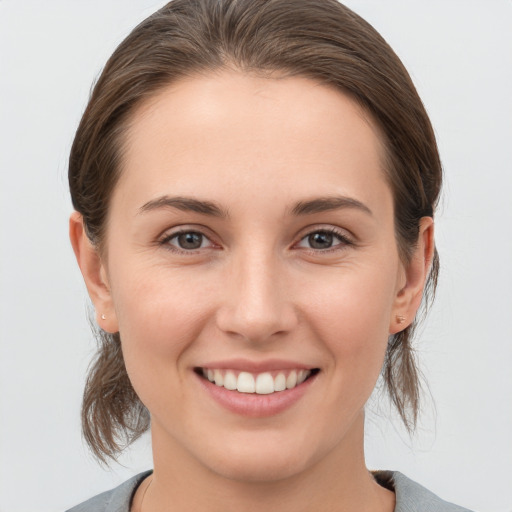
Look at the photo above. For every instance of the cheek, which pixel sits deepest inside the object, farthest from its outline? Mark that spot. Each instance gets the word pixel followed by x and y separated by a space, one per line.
pixel 159 316
pixel 157 301
pixel 354 307
pixel 350 317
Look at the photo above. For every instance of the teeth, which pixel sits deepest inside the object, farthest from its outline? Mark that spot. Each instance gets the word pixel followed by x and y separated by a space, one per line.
pixel 264 384
pixel 219 379
pixel 261 384
pixel 230 381
pixel 280 382
pixel 245 383
pixel 291 380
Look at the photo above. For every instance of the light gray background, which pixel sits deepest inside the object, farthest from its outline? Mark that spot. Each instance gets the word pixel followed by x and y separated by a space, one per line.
pixel 459 53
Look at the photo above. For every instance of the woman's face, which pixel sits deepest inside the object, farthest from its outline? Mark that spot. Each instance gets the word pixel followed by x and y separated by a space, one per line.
pixel 251 237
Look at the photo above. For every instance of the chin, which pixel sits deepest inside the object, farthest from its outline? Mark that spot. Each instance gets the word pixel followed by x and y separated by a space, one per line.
pixel 259 469
pixel 264 461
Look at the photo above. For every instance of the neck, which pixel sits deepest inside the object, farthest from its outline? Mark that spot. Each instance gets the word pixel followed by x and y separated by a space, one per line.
pixel 339 481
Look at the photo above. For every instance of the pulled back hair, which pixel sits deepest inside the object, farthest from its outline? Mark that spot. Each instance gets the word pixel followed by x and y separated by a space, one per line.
pixel 318 39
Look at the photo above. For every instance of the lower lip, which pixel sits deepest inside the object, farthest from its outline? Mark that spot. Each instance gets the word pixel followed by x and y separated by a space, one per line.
pixel 255 405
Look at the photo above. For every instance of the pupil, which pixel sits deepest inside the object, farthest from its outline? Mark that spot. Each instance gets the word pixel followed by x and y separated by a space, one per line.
pixel 320 240
pixel 190 240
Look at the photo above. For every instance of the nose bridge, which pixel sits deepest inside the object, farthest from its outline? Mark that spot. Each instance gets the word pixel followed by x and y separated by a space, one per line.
pixel 256 304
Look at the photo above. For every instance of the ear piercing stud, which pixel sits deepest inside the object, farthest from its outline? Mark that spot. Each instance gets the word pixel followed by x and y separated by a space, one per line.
pixel 400 319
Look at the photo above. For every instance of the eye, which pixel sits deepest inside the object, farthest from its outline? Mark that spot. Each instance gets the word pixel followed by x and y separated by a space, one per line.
pixel 187 241
pixel 324 239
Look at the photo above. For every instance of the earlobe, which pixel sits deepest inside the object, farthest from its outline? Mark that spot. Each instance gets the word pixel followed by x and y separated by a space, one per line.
pixel 408 298
pixel 94 274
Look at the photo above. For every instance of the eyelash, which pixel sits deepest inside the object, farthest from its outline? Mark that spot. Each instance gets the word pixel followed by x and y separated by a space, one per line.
pixel 165 241
pixel 343 240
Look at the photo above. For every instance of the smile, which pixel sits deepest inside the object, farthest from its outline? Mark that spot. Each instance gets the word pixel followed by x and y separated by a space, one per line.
pixel 264 383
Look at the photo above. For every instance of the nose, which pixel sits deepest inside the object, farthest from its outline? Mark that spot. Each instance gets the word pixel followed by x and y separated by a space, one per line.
pixel 256 305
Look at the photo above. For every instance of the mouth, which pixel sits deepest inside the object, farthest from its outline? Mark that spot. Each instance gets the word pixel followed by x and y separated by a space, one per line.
pixel 263 383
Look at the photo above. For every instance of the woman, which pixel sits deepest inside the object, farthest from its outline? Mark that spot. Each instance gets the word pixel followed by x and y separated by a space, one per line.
pixel 254 185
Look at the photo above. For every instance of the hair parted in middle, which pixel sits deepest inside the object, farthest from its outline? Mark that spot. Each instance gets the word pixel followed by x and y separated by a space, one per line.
pixel 318 39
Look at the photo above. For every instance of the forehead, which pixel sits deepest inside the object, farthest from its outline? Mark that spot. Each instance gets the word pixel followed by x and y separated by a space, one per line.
pixel 231 129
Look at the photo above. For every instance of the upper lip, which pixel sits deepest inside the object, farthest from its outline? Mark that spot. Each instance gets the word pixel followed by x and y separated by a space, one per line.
pixel 256 366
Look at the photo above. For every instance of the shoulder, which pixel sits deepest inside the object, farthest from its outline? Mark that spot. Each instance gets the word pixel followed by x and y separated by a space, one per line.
pixel 411 496
pixel 115 500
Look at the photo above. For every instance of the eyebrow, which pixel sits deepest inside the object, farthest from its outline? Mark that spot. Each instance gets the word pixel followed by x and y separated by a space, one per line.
pixel 185 204
pixel 324 204
pixel 317 205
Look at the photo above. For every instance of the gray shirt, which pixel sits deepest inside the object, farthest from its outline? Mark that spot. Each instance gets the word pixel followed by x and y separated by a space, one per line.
pixel 410 496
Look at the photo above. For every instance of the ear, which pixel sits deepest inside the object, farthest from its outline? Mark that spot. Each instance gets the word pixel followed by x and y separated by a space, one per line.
pixel 94 274
pixel 415 273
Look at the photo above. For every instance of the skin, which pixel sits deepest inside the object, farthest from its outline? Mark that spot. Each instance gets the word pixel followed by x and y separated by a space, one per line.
pixel 255 289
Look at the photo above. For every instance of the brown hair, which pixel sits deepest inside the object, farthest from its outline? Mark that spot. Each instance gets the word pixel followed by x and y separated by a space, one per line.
pixel 319 39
